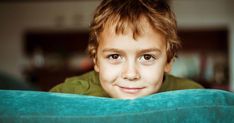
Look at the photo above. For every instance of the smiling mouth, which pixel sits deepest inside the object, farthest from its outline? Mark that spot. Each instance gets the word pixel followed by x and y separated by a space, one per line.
pixel 131 90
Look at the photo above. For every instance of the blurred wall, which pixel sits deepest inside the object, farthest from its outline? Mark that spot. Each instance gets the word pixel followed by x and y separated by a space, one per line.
pixel 16 17
pixel 205 14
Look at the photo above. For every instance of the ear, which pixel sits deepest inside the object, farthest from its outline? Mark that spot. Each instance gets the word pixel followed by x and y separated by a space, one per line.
pixel 96 66
pixel 168 67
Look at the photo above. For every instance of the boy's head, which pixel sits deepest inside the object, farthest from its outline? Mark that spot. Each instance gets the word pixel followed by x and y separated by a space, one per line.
pixel 132 43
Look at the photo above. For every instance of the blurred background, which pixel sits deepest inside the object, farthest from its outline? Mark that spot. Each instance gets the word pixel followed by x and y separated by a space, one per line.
pixel 42 42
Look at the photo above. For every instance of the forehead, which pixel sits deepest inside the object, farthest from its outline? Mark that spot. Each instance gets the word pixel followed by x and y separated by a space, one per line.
pixel 137 28
pixel 117 25
pixel 147 38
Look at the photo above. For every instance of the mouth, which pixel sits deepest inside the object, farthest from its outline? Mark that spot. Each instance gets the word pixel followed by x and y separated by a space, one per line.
pixel 131 90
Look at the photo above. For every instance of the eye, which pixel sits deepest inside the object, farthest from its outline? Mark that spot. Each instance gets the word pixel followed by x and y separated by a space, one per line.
pixel 147 59
pixel 114 58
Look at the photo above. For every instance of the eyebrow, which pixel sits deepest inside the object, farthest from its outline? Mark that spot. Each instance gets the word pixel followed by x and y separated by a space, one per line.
pixel 112 50
pixel 149 50
pixel 138 52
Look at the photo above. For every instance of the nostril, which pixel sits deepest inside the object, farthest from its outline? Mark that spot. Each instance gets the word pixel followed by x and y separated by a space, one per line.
pixel 130 71
pixel 131 76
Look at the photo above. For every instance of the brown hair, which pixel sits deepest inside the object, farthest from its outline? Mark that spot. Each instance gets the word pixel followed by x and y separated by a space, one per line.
pixel 125 14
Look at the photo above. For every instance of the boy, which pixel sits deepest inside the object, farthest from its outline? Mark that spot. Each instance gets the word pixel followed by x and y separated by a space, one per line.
pixel 132 44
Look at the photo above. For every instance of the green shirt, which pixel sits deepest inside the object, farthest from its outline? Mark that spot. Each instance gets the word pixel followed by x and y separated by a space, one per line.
pixel 88 84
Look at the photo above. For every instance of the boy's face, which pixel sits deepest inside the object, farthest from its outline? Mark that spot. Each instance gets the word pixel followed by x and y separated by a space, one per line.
pixel 131 68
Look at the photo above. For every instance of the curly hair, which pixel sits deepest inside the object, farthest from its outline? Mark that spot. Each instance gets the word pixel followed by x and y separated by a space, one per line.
pixel 127 14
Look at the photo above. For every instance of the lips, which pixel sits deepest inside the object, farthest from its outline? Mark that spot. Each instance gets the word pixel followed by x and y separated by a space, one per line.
pixel 131 90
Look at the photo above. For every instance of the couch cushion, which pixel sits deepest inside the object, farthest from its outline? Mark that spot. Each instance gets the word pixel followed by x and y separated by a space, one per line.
pixel 183 106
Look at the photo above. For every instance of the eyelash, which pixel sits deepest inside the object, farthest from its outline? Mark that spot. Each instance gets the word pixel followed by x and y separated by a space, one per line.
pixel 111 56
pixel 148 55
pixel 149 60
pixel 116 59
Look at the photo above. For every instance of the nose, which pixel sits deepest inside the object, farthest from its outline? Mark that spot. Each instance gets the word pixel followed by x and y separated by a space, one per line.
pixel 130 72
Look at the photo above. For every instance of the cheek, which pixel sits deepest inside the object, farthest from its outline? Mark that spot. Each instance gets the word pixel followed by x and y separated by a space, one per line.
pixel 153 74
pixel 107 72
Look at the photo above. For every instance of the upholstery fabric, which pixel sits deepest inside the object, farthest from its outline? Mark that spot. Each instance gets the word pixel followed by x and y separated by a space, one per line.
pixel 181 106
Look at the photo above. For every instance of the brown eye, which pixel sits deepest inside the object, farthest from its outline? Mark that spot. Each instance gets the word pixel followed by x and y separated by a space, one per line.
pixel 147 57
pixel 114 56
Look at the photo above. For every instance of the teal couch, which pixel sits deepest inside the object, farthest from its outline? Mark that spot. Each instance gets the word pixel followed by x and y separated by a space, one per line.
pixel 184 106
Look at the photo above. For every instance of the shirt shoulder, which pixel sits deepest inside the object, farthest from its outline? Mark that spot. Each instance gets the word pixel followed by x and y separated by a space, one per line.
pixel 176 83
pixel 86 84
